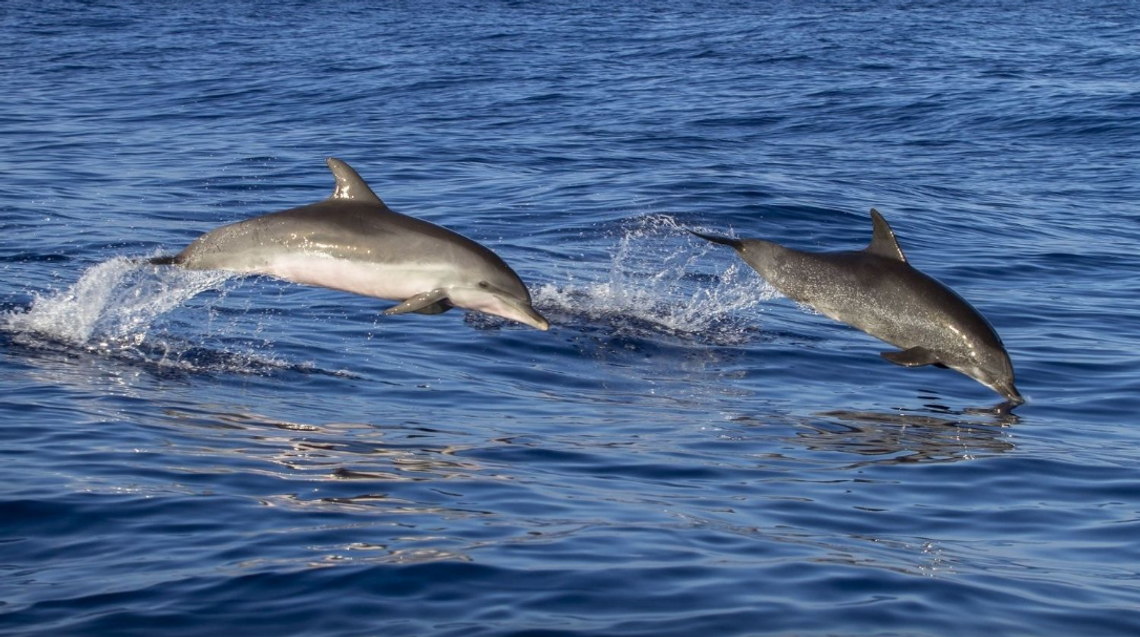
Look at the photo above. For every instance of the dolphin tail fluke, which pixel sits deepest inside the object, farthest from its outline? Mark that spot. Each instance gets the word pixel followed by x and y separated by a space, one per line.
pixel 728 241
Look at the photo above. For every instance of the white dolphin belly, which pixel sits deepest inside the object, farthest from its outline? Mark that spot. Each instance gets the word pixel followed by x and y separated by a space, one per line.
pixel 394 281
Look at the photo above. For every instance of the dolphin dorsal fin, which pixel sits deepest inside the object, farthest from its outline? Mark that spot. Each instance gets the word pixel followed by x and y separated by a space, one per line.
pixel 349 184
pixel 883 241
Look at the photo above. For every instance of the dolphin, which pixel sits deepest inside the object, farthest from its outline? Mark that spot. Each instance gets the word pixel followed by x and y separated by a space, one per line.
pixel 877 291
pixel 353 242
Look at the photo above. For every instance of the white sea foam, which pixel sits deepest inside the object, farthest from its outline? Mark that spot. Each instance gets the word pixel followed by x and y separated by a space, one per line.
pixel 654 284
pixel 114 302
pixel 116 308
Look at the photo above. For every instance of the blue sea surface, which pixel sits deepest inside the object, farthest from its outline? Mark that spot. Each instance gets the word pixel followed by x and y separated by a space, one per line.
pixel 685 452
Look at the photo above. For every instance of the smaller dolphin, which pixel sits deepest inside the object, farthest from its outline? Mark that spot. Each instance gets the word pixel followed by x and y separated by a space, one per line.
pixel 353 242
pixel 875 290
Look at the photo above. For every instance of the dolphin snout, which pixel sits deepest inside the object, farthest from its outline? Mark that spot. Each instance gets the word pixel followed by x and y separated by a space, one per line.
pixel 1011 393
pixel 533 318
pixel 517 309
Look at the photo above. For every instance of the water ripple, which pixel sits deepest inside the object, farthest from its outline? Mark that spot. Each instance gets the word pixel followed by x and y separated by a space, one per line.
pixel 684 452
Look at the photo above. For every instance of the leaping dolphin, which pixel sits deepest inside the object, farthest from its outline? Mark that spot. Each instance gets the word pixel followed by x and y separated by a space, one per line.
pixel 353 242
pixel 875 290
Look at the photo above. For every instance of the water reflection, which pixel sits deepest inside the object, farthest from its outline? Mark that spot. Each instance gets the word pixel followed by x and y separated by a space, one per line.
pixel 341 451
pixel 892 437
pixel 903 438
pixel 398 490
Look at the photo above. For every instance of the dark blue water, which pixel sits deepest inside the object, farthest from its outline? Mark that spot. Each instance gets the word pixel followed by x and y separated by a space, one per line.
pixel 684 452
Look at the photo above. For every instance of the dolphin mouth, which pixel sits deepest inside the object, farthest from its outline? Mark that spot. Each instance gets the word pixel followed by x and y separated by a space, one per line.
pixel 524 313
pixel 1011 394
pixel 535 319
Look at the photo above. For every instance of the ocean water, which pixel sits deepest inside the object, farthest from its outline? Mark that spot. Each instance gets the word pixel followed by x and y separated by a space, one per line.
pixel 685 452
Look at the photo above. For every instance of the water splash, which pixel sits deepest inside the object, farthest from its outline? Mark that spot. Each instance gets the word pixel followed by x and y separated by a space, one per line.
pixel 113 303
pixel 661 279
pixel 115 309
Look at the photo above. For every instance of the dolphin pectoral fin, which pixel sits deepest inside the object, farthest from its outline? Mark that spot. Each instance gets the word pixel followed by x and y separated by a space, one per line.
pixel 430 302
pixel 913 357
pixel 439 307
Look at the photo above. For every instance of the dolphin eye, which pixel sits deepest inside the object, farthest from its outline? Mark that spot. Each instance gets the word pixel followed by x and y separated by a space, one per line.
pixel 484 285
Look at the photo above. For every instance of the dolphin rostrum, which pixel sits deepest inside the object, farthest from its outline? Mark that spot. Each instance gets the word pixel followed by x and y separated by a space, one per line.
pixel 353 242
pixel 877 291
